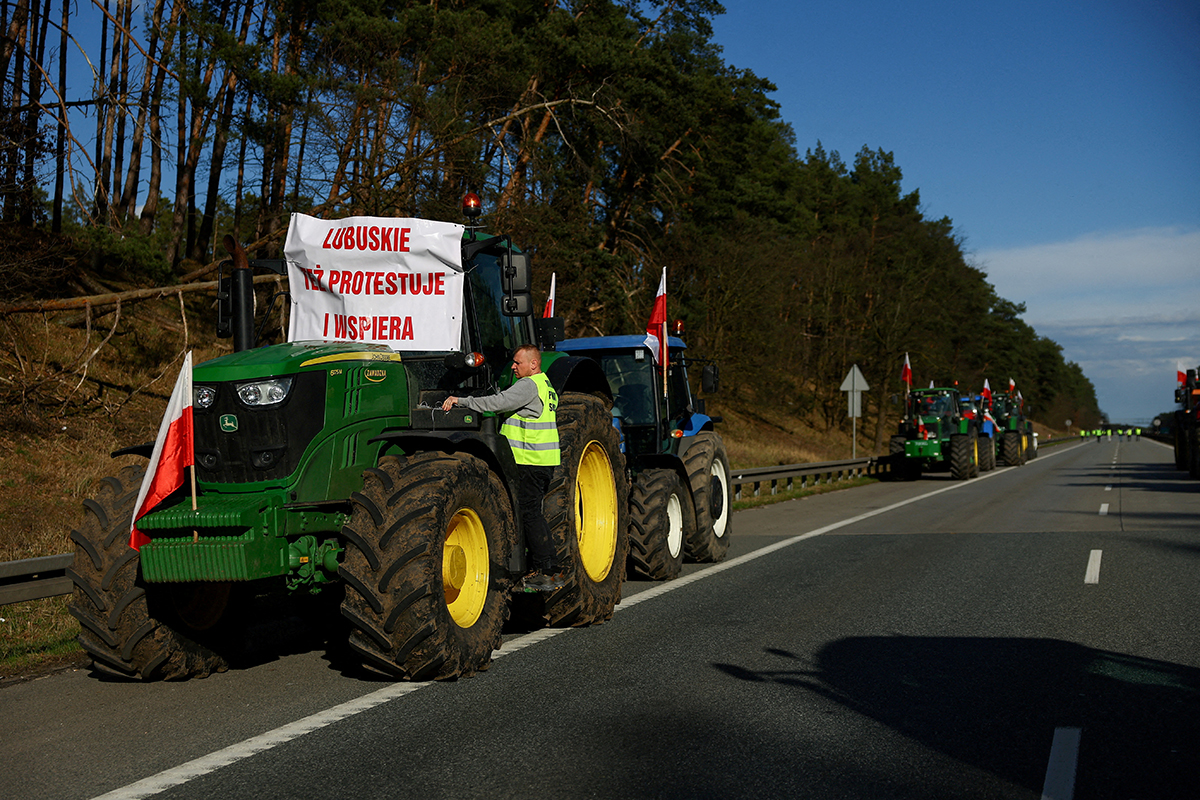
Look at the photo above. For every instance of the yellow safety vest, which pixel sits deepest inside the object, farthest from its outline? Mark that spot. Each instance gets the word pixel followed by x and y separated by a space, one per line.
pixel 535 441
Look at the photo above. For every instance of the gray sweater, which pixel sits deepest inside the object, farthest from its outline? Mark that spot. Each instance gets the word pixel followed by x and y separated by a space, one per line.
pixel 521 397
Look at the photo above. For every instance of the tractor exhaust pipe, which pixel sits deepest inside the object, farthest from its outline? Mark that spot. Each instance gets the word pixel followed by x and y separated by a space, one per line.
pixel 235 309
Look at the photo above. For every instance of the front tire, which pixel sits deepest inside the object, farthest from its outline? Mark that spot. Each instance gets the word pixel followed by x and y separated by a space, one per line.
pixel 712 494
pixel 130 628
pixel 427 552
pixel 661 518
pixel 587 509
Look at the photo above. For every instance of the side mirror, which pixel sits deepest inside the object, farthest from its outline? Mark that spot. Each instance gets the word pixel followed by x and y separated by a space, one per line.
pixel 710 379
pixel 518 305
pixel 515 281
pixel 516 274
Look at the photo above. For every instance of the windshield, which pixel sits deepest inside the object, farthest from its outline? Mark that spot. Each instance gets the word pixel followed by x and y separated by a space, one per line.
pixel 631 377
pixel 496 335
pixel 932 405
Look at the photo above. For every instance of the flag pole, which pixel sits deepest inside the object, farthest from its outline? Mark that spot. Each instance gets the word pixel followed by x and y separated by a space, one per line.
pixel 662 352
pixel 195 533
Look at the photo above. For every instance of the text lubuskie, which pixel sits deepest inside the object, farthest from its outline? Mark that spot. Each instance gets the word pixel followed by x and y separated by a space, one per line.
pixel 367 237
pixel 360 282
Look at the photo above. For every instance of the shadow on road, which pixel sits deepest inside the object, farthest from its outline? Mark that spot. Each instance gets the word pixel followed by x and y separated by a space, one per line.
pixel 995 703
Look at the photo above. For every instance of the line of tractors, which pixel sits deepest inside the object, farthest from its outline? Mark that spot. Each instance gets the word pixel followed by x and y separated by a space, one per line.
pixel 1186 430
pixel 328 468
pixel 944 429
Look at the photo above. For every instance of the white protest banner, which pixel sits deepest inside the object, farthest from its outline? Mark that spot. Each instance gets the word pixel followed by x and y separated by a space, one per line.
pixel 382 280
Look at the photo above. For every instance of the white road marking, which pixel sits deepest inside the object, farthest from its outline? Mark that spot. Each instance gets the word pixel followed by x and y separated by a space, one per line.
pixel 198 767
pixel 1093 568
pixel 1060 772
pixel 1108 488
pixel 1103 509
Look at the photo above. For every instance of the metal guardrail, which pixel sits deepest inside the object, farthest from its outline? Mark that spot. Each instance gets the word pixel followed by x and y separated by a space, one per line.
pixel 36 578
pixel 784 478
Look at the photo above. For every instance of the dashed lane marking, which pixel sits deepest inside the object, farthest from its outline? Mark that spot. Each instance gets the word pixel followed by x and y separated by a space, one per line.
pixel 1093 567
pixel 1060 771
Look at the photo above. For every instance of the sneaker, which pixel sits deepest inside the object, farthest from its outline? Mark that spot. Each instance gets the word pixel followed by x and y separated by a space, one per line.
pixel 539 581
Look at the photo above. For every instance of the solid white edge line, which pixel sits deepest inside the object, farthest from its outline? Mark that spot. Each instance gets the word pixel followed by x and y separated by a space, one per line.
pixel 1062 766
pixel 1093 567
pixel 213 761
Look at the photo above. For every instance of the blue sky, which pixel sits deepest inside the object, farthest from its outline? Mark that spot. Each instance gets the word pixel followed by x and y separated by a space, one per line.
pixel 1063 139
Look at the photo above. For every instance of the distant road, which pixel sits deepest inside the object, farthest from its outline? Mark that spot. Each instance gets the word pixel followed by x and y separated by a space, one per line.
pixel 1033 630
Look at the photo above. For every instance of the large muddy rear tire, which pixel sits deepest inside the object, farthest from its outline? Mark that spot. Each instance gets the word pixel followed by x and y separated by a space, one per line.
pixel 712 494
pixel 427 551
pixel 661 518
pixel 130 628
pixel 1010 448
pixel 587 508
pixel 962 461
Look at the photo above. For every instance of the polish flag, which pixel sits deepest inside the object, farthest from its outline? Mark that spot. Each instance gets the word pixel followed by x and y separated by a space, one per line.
pixel 656 328
pixel 549 310
pixel 1011 385
pixel 987 392
pixel 906 372
pixel 1180 373
pixel 174 449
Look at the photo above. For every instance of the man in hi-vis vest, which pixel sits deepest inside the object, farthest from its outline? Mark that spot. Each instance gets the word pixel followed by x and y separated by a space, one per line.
pixel 532 431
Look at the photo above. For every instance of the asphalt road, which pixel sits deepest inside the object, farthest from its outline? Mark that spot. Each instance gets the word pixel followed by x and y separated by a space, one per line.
pixel 1033 632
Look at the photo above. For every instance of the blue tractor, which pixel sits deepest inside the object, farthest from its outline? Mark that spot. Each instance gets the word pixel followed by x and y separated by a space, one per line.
pixel 680 492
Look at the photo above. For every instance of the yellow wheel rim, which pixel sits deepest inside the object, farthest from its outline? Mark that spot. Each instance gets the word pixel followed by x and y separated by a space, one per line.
pixel 465 568
pixel 596 511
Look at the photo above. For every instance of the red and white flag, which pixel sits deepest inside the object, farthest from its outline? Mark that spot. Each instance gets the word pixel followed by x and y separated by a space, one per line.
pixel 1180 373
pixel 1012 385
pixel 906 372
pixel 987 392
pixel 174 450
pixel 549 310
pixel 656 328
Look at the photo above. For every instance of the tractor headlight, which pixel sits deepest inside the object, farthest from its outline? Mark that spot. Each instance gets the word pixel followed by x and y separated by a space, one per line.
pixel 204 396
pixel 264 393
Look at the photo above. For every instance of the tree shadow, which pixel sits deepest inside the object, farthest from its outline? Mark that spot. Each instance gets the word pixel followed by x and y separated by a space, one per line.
pixel 995 703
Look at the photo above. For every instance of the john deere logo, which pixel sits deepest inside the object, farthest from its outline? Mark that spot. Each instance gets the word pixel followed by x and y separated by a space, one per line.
pixel 228 423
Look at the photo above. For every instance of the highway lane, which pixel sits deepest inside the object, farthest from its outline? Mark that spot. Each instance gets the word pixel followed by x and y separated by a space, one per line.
pixel 946 647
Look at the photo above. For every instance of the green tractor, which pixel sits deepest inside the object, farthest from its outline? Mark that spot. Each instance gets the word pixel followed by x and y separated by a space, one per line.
pixel 1015 441
pixel 1187 425
pixel 680 493
pixel 329 466
pixel 935 434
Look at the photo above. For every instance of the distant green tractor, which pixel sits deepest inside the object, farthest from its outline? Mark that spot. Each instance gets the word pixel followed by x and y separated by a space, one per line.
pixel 935 434
pixel 1015 440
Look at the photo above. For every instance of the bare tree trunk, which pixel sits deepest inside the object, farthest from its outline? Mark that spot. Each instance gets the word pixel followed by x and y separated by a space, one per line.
pixel 122 104
pixel 60 142
pixel 18 32
pixel 27 193
pixel 220 140
pixel 14 36
pixel 154 114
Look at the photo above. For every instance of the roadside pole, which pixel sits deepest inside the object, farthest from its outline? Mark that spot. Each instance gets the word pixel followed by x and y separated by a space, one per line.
pixel 855 384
